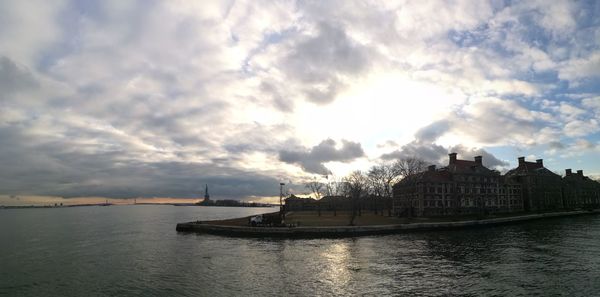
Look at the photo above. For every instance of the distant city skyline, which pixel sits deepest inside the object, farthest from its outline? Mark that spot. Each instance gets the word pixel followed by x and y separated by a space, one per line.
pixel 116 99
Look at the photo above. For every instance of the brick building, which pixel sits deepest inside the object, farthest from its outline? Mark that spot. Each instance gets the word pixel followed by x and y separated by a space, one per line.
pixel 580 191
pixel 542 188
pixel 462 187
pixel 468 187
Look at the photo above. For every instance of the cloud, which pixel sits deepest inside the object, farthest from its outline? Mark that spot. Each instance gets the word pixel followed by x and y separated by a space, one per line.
pixel 437 154
pixel 583 144
pixel 488 159
pixel 314 64
pixel 29 29
pixel 592 104
pixel 279 101
pixel 580 68
pixel 56 169
pixel 576 147
pixel 312 160
pixel 569 111
pixel 433 131
pixel 14 79
pixel 130 98
pixel 490 121
pixel 429 152
pixel 330 51
pixel 557 145
pixel 579 128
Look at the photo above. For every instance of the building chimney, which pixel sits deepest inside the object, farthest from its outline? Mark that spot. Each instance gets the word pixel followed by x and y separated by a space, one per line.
pixel 478 160
pixel 568 172
pixel 452 158
pixel 521 161
pixel 540 162
pixel 580 173
pixel 431 167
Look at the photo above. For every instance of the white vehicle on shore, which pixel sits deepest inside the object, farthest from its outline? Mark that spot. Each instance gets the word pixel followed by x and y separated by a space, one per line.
pixel 256 220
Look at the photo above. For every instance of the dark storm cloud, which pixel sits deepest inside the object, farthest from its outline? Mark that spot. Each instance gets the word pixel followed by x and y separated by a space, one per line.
pixel 311 160
pixel 53 168
pixel 173 179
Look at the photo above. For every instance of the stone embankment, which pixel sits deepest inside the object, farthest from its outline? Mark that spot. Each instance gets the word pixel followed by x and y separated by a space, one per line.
pixel 351 231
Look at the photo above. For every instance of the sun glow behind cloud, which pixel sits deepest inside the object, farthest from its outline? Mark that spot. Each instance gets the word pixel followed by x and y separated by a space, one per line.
pixel 383 106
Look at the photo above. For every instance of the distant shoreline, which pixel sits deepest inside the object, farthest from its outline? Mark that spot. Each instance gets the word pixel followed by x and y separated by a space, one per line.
pixel 113 204
pixel 54 206
pixel 212 227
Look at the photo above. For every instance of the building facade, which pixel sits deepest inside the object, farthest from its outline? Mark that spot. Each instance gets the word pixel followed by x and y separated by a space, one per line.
pixel 580 191
pixel 462 187
pixel 541 188
pixel 468 187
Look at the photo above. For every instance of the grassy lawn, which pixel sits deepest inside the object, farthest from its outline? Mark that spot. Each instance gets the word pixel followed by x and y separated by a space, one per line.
pixel 312 218
pixel 231 222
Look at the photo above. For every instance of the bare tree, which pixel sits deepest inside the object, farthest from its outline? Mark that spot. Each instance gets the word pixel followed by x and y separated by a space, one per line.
pixel 383 176
pixel 316 188
pixel 376 178
pixel 409 166
pixel 334 188
pixel 356 185
pixel 405 168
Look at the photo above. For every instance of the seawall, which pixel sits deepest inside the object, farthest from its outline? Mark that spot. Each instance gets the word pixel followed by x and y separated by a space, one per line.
pixel 351 231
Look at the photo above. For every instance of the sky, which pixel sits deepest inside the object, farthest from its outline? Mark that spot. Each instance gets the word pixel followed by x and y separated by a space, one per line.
pixel 123 99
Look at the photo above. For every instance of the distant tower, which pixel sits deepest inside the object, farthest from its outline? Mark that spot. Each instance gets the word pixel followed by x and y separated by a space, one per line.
pixel 206 196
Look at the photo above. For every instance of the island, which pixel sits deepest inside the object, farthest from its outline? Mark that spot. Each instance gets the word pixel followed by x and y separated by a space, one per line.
pixel 465 193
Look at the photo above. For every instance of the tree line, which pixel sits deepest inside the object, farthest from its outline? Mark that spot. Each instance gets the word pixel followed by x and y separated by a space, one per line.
pixel 376 182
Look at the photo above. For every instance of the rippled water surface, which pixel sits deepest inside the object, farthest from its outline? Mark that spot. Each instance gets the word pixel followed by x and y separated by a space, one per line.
pixel 135 250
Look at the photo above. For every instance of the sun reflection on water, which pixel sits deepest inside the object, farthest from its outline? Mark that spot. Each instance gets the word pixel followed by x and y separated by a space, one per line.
pixel 336 270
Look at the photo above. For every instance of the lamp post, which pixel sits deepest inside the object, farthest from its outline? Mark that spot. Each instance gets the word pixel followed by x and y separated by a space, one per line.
pixel 281 212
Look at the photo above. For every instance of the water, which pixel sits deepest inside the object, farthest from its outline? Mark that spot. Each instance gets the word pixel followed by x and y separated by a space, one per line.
pixel 135 251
